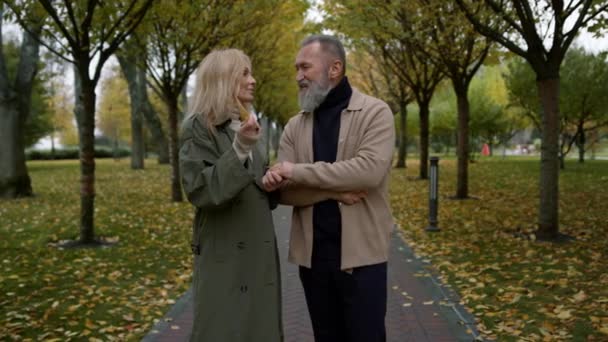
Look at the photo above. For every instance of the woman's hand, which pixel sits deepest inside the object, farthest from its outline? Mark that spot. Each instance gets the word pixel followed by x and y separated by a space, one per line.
pixel 250 129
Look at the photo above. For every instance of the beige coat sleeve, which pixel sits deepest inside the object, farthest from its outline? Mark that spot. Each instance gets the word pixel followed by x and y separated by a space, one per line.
pixel 292 194
pixel 362 172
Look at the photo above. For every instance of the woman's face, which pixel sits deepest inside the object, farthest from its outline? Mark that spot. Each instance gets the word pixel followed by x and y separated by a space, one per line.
pixel 246 87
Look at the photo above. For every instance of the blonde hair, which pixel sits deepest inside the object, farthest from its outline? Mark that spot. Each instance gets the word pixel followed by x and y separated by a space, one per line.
pixel 217 85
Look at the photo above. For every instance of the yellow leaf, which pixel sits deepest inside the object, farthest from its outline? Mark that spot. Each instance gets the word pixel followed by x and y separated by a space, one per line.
pixel 580 296
pixel 90 324
pixel 564 314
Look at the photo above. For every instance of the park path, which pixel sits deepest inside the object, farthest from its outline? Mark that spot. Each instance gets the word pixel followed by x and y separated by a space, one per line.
pixel 420 308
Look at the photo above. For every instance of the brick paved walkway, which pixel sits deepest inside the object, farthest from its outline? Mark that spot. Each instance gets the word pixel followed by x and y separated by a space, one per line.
pixel 419 307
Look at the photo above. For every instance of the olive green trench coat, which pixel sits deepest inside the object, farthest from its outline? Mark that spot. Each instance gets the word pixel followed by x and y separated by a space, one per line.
pixel 236 282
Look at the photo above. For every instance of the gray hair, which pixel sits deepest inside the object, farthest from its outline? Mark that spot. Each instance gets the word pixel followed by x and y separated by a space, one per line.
pixel 330 45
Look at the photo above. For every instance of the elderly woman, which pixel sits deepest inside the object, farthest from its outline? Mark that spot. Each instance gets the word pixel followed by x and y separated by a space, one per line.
pixel 236 281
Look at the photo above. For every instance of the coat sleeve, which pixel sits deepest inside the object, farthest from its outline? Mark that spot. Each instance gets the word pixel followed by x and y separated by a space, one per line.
pixel 364 171
pixel 211 178
pixel 292 194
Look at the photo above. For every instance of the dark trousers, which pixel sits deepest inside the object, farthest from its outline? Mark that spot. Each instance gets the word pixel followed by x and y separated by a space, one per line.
pixel 346 307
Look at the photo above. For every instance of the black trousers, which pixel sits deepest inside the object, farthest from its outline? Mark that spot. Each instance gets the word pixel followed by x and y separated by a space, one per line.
pixel 346 307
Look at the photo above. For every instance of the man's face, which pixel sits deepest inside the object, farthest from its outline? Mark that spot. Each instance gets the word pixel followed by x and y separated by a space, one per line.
pixel 312 76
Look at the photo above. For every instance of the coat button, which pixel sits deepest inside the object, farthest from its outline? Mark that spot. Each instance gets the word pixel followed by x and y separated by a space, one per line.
pixel 240 245
pixel 244 288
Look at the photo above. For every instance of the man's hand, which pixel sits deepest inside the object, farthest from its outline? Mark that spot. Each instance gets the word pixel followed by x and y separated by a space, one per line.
pixel 272 181
pixel 351 197
pixel 284 169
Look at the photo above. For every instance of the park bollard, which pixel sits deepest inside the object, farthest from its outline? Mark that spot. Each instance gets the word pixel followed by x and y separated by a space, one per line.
pixel 433 195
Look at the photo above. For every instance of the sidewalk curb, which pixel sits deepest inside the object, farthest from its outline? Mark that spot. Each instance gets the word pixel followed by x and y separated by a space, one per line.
pixel 458 318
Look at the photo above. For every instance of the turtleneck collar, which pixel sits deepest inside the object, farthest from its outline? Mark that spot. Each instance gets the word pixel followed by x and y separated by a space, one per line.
pixel 336 95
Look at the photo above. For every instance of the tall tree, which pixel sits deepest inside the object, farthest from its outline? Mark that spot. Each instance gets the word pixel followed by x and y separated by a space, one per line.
pixel 459 51
pixel 541 32
pixel 375 75
pixel 15 104
pixel 114 109
pixel 177 35
pixel 38 123
pixel 387 27
pixel 276 90
pixel 87 33
pixel 132 66
pixel 583 108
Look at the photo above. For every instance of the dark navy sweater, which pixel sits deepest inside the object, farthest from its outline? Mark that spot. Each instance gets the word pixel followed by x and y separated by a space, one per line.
pixel 327 223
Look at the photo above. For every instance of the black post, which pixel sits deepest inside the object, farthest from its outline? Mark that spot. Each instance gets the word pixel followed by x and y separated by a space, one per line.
pixel 433 195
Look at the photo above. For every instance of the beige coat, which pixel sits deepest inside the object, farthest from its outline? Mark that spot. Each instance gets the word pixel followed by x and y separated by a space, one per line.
pixel 363 162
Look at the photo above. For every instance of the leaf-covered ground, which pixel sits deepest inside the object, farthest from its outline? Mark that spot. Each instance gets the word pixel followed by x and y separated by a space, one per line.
pixel 92 294
pixel 519 289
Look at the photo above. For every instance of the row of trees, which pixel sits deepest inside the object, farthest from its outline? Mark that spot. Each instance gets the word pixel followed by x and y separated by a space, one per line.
pixel 421 42
pixel 504 101
pixel 158 45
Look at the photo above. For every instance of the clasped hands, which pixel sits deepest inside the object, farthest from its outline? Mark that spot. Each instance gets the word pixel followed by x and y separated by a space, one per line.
pixel 281 173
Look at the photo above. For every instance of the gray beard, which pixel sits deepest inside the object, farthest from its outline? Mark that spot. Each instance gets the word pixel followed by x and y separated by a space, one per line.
pixel 312 97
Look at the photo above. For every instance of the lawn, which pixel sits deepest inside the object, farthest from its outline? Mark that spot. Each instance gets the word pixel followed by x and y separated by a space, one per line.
pixel 519 289
pixel 109 294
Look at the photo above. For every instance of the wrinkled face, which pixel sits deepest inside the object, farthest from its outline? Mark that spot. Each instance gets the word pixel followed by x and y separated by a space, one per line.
pixel 246 87
pixel 312 75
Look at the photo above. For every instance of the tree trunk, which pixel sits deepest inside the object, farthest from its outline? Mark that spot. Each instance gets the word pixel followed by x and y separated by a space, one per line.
pixel 581 141
pixel 402 155
pixel 85 115
pixel 424 139
pixel 134 81
pixel 53 144
pixel 14 179
pixel 138 92
pixel 176 188
pixel 14 110
pixel 156 129
pixel 548 224
pixel 462 180
pixel 183 99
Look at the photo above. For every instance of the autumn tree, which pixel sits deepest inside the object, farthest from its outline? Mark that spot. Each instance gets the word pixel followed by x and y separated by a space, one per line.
pixel 541 32
pixel 142 110
pixel 86 33
pixel 38 123
pixel 376 76
pixel 272 49
pixel 15 105
pixel 177 35
pixel 583 107
pixel 387 29
pixel 114 110
pixel 583 89
pixel 493 120
pixel 459 52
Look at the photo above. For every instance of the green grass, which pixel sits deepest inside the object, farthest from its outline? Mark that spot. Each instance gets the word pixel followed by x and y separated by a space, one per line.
pixel 518 289
pixel 117 292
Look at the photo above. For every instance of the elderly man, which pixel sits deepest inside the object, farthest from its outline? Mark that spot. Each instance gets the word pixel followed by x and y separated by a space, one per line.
pixel 334 162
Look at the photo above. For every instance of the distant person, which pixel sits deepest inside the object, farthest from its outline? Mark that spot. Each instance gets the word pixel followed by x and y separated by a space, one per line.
pixel 236 282
pixel 337 150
